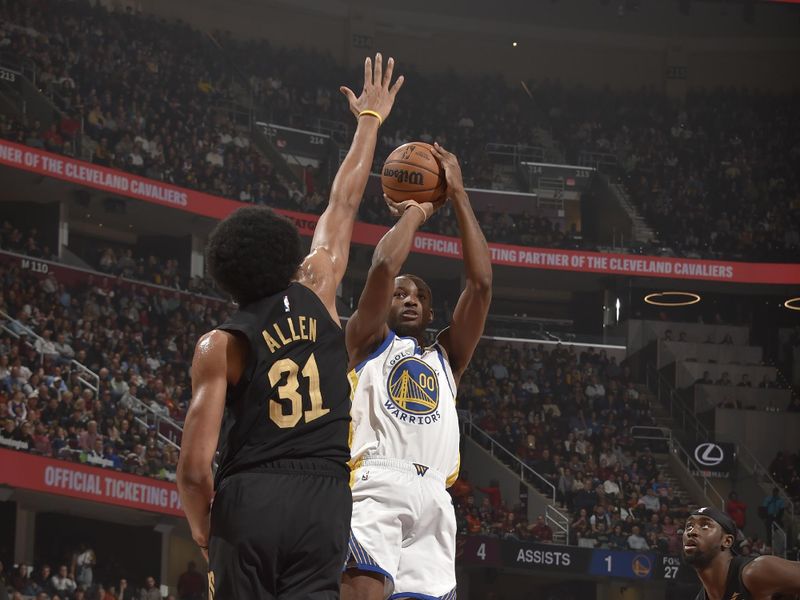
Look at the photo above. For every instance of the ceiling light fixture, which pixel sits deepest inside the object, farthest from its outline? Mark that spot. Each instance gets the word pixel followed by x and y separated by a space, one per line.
pixel 672 298
pixel 792 303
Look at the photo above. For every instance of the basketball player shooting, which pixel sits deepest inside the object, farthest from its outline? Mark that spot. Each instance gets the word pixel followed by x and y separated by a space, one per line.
pixel 709 546
pixel 277 371
pixel 405 426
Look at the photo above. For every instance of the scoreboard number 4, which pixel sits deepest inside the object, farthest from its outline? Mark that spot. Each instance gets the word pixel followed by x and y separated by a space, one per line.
pixel 481 551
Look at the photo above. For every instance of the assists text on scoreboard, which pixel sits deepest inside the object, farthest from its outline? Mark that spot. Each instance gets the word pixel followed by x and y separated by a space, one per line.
pixel 571 560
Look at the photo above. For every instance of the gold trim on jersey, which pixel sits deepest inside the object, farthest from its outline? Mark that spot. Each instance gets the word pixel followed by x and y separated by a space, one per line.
pixel 352 377
pixel 451 479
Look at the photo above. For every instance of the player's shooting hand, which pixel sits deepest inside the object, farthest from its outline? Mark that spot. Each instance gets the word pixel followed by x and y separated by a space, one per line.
pixel 397 209
pixel 452 172
pixel 378 94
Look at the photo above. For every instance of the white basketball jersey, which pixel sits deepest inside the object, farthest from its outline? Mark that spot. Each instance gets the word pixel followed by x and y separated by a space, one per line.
pixel 404 407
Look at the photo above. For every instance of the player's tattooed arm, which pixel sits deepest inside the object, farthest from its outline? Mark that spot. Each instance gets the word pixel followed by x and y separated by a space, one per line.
pixel 324 267
pixel 469 316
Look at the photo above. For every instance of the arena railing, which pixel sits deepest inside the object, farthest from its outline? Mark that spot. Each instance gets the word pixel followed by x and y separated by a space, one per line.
pixel 663 435
pixel 86 376
pixel 167 430
pixel 762 475
pixel 678 409
pixel 779 540
pixel 516 152
pixel 526 474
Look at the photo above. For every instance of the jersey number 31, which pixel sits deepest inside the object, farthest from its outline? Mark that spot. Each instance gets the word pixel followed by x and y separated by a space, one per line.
pixel 289 391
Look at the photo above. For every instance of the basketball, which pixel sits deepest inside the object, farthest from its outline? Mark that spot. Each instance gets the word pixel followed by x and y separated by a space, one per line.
pixel 412 172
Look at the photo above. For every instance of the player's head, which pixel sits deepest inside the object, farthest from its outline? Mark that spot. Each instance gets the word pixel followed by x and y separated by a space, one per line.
pixel 411 309
pixel 708 532
pixel 253 253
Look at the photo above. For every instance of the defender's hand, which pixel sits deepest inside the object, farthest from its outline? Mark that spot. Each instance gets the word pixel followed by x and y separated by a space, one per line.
pixel 452 172
pixel 377 94
pixel 398 208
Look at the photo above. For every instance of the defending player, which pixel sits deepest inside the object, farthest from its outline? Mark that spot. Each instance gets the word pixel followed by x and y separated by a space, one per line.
pixel 405 426
pixel 709 545
pixel 278 370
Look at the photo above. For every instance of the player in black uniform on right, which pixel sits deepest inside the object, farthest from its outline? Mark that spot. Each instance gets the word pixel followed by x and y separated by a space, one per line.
pixel 709 546
pixel 273 379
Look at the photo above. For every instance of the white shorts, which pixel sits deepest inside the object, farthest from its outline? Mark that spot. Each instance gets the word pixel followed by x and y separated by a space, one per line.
pixel 404 527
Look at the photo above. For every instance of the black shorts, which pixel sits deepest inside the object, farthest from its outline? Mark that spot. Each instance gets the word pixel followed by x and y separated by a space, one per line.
pixel 280 532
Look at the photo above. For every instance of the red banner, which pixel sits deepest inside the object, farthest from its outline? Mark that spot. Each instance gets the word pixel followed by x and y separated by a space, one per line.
pixel 165 194
pixel 31 472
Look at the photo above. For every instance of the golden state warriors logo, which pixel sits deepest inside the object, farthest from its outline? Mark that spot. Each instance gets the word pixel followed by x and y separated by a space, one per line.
pixel 641 566
pixel 413 389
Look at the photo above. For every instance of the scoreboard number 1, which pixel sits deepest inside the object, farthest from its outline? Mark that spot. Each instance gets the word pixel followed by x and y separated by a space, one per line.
pixel 609 563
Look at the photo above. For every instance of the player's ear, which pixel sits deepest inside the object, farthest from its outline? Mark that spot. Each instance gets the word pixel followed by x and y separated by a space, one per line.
pixel 727 542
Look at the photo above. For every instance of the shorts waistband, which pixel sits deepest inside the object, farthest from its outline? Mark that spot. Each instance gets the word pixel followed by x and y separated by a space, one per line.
pixel 404 466
pixel 299 466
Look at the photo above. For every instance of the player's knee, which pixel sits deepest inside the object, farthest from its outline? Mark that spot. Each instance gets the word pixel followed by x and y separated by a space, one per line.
pixel 362 585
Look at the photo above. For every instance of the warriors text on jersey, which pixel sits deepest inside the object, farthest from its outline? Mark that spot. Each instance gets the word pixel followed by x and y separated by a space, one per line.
pixel 293 399
pixel 404 407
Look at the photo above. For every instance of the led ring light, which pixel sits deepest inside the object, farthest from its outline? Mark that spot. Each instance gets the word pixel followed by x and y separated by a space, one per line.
pixel 792 303
pixel 658 298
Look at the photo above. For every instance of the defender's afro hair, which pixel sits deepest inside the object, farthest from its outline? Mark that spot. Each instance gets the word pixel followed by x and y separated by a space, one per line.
pixel 253 253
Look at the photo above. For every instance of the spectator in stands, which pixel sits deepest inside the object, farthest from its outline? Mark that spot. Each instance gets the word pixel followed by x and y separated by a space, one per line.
pixel 493 493
pixel 650 501
pixel 705 379
pixel 62 583
pixel 126 592
pixel 151 590
pixel 21 580
pixel 636 541
pixel 772 512
pixel 541 531
pixel 191 584
pixel 461 488
pixel 42 578
pixel 736 509
pixel 766 383
pixel 724 379
pixel 745 381
pixel 599 517
pixel 83 563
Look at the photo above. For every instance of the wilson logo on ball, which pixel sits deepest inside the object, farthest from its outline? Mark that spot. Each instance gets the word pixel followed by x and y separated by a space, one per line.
pixel 404 175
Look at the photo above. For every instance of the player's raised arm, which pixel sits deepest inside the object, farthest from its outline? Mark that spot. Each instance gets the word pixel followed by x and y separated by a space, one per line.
pixel 469 316
pixel 367 328
pixel 770 575
pixel 325 265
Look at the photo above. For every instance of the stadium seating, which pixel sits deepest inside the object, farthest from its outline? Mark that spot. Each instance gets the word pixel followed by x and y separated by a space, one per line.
pixel 698 174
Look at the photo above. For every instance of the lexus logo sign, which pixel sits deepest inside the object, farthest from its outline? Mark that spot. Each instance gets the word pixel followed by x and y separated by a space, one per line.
pixel 708 454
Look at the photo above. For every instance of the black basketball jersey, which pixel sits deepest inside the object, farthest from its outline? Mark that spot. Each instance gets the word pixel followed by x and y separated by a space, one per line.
pixel 734 588
pixel 293 399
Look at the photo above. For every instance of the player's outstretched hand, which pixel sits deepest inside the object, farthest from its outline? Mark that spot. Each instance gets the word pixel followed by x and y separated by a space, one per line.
pixel 378 95
pixel 398 208
pixel 452 172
